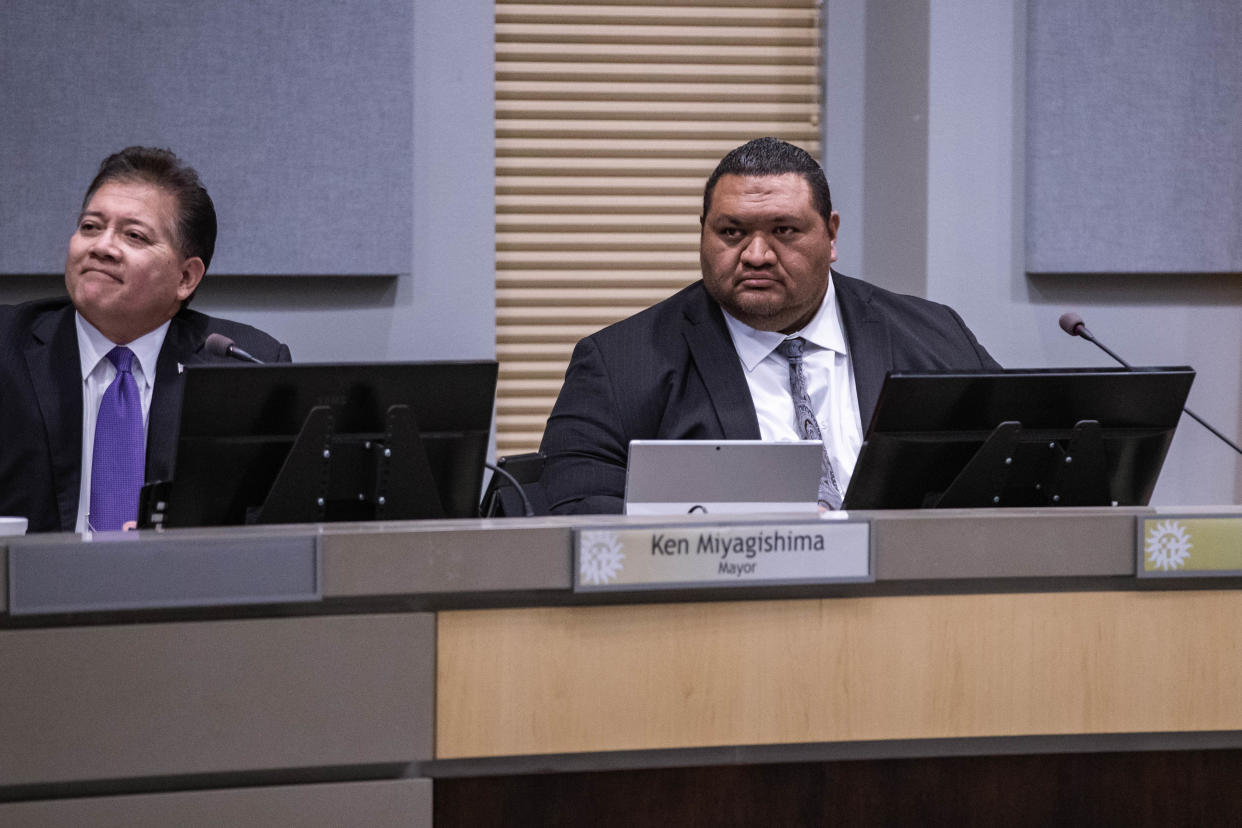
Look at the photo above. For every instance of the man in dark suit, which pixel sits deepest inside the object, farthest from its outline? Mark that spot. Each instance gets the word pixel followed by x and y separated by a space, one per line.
pixel 123 336
pixel 710 363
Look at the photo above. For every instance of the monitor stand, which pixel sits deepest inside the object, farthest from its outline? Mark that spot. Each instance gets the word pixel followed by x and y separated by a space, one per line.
pixel 340 477
pixel 332 476
pixel 1042 473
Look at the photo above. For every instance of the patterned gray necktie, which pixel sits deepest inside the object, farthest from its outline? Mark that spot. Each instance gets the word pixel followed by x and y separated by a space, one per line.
pixel 808 426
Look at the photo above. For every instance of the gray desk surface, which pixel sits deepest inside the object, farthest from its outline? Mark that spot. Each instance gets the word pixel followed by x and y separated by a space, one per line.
pixel 527 561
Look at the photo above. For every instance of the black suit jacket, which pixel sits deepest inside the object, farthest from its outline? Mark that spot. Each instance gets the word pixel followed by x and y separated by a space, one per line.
pixel 41 403
pixel 671 373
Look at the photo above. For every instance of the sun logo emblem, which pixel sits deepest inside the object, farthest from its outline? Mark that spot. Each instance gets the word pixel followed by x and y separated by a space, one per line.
pixel 1168 545
pixel 600 557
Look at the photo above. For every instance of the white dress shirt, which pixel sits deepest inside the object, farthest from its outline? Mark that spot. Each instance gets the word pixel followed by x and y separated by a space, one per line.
pixel 830 383
pixel 97 374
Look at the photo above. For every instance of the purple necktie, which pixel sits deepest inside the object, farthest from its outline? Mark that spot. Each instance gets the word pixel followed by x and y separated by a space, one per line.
pixel 120 450
pixel 808 425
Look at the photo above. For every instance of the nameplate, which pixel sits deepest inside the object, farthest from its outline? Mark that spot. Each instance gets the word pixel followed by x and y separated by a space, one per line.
pixel 1189 546
pixel 733 554
pixel 161 571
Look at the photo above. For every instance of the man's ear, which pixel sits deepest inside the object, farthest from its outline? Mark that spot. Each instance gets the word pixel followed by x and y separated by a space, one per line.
pixel 834 223
pixel 192 270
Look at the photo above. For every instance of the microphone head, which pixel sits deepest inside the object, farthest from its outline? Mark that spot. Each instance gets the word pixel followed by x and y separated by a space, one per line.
pixel 1072 323
pixel 218 345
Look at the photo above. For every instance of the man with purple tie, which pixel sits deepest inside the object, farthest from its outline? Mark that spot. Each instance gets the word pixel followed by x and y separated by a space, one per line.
pixel 90 384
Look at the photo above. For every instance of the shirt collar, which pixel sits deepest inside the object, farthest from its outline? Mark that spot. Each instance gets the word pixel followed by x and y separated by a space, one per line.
pixel 93 346
pixel 824 330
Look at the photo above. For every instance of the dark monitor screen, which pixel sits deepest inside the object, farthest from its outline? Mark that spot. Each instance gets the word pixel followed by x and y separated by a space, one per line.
pixel 304 442
pixel 1047 437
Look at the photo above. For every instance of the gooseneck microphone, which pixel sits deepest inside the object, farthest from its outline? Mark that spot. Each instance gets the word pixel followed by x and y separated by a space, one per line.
pixel 220 345
pixel 1073 325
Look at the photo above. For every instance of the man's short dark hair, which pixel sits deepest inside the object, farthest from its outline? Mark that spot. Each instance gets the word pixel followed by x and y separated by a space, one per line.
pixel 772 156
pixel 196 215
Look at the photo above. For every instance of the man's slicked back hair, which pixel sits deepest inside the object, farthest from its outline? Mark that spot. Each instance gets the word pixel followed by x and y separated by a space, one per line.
pixel 772 156
pixel 196 215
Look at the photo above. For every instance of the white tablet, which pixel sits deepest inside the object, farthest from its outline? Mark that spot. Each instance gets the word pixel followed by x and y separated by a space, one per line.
pixel 722 476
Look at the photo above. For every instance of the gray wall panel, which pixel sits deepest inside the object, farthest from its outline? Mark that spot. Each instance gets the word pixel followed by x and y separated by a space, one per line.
pixel 1134 156
pixel 296 115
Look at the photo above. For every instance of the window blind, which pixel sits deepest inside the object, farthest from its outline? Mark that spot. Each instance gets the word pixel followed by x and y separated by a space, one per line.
pixel 609 118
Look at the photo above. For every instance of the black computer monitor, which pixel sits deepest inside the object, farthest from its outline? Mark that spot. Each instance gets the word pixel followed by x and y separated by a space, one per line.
pixel 307 443
pixel 1048 437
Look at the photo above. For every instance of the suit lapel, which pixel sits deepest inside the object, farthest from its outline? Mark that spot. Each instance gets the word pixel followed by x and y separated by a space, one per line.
pixel 182 346
pixel 716 359
pixel 870 346
pixel 55 370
